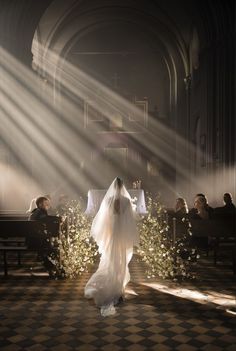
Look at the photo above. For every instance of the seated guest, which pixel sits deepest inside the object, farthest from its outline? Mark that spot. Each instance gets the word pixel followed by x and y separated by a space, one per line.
pixel 181 208
pixel 201 206
pixel 178 218
pixel 40 212
pixel 33 203
pixel 229 206
pixel 44 245
pixel 228 210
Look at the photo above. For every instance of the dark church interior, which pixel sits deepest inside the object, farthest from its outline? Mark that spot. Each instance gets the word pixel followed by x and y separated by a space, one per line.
pixel 139 97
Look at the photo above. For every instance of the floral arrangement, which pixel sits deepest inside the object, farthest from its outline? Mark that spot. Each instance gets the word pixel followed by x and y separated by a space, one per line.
pixel 75 251
pixel 165 257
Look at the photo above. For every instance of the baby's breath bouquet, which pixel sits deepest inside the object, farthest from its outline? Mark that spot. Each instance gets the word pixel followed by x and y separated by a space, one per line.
pixel 163 257
pixel 76 250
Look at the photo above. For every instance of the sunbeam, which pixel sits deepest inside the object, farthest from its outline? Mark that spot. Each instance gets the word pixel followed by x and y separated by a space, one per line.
pixel 67 153
pixel 220 299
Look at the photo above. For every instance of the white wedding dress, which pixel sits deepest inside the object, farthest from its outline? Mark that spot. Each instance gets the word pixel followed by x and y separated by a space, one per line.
pixel 114 230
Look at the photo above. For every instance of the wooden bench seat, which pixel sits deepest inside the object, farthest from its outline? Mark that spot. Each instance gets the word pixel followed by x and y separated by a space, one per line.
pixel 209 234
pixel 11 243
pixel 20 236
pixel 6 249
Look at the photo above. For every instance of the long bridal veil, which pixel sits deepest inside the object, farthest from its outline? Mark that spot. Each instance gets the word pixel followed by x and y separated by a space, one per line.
pixel 114 230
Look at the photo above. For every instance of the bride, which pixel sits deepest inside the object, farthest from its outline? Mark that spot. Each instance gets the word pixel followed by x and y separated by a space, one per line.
pixel 114 230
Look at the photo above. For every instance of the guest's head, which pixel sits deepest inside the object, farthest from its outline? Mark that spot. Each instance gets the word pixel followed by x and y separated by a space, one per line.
pixel 181 205
pixel 228 198
pixel 203 199
pixel 43 203
pixel 202 195
pixel 200 203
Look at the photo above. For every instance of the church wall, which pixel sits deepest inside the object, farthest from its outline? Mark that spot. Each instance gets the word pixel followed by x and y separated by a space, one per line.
pixel 211 95
pixel 212 102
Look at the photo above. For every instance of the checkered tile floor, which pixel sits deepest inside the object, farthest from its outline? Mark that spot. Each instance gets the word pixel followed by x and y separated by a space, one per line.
pixel 38 314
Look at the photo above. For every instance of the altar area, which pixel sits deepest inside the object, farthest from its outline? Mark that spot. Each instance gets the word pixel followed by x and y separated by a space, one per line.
pixel 95 197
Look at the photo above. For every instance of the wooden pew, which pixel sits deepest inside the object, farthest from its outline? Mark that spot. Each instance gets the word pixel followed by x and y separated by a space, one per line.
pixel 13 216
pixel 221 235
pixel 216 234
pixel 23 235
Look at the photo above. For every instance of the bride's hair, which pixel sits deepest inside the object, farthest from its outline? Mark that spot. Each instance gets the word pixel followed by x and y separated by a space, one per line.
pixel 119 182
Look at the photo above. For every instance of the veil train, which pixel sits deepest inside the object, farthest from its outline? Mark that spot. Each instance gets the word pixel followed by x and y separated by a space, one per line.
pixel 114 230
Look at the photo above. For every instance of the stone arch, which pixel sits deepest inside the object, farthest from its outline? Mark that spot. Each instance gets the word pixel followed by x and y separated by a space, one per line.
pixel 74 19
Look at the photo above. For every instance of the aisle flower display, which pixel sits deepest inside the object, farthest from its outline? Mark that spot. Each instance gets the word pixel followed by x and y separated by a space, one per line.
pixel 75 250
pixel 164 257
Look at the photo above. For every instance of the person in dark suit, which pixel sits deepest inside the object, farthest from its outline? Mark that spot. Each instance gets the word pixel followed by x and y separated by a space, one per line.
pixel 228 210
pixel 181 208
pixel 41 211
pixel 229 207
pixel 44 245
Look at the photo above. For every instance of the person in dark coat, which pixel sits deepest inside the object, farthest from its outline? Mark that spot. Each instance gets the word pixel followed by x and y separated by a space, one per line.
pixel 41 211
pixel 44 246
pixel 229 207
pixel 181 208
pixel 228 210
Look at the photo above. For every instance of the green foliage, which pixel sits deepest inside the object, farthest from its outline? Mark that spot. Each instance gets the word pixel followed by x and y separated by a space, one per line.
pixel 76 250
pixel 163 257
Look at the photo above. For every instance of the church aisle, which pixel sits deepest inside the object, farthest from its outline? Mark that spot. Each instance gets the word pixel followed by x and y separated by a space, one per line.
pixel 41 314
